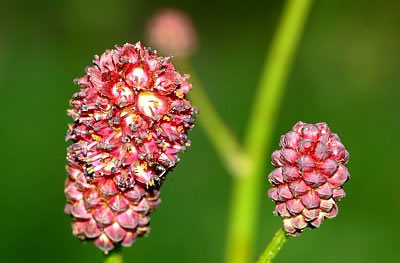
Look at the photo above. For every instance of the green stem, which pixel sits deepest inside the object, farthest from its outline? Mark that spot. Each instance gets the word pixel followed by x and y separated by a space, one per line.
pixel 247 188
pixel 273 247
pixel 220 135
pixel 115 256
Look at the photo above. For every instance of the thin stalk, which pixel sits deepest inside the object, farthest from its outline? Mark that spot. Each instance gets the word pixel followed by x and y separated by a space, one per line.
pixel 222 138
pixel 247 188
pixel 115 256
pixel 273 247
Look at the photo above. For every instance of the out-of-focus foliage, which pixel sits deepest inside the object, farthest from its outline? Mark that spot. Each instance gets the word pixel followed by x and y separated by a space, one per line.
pixel 345 73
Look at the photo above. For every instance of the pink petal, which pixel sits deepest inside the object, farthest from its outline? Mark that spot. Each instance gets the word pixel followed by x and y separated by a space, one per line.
pixel 328 167
pixel 305 163
pixel 107 187
pixel 92 198
pixel 289 156
pixel 276 159
pixel 284 193
pixel 323 128
pixel 310 200
pixel 314 179
pixel 333 212
pixel 104 243
pixel 305 146
pixel 273 194
pixel 103 215
pixel 135 194
pixel 78 210
pixel 67 209
pixel 326 205
pixel 128 219
pixel 129 239
pixel 288 226
pixel 290 140
pixel 321 152
pixel 91 229
pixel 338 194
pixel 290 173
pixel 298 188
pixel 324 191
pixel 298 127
pixel 78 228
pixel 310 214
pixel 318 221
pixel 118 203
pixel 115 232
pixel 337 150
pixel 340 177
pixel 143 206
pixel 281 210
pixel 275 177
pixel 299 222
pixel 311 131
pixel 294 206
pixel 143 220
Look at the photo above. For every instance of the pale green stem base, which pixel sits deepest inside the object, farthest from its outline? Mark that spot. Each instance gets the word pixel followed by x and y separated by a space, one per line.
pixel 115 256
pixel 247 189
pixel 273 247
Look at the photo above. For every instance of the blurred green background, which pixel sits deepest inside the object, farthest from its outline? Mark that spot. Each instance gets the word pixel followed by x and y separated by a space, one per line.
pixel 346 73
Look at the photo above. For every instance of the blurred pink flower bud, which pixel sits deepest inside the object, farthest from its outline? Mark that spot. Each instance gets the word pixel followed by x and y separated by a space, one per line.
pixel 309 176
pixel 171 32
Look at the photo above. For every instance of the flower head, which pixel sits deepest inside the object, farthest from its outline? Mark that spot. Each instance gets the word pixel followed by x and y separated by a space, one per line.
pixel 172 31
pixel 309 176
pixel 131 119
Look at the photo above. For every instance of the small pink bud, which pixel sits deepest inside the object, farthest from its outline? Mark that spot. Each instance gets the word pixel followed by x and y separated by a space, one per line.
pixel 172 32
pixel 309 176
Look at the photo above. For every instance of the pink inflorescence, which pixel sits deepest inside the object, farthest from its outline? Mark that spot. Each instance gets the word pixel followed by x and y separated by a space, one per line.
pixel 309 176
pixel 131 119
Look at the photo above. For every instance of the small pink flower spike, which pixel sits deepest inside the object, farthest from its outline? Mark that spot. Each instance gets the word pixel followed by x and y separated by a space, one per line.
pixel 172 32
pixel 309 176
pixel 131 119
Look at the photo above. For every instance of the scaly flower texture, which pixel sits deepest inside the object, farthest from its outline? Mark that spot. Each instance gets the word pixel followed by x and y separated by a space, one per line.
pixel 130 122
pixel 309 175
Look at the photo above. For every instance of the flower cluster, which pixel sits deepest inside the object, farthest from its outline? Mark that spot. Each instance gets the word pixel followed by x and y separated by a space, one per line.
pixel 309 175
pixel 131 119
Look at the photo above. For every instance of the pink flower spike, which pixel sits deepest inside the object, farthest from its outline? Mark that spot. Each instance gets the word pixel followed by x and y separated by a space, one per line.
pixel 309 176
pixel 130 122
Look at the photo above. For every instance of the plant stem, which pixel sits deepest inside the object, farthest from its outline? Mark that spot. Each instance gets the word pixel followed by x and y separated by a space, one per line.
pixel 115 256
pixel 273 247
pixel 247 189
pixel 220 135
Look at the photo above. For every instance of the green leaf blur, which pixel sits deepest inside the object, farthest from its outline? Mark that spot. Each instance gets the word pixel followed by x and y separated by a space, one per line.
pixel 345 73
